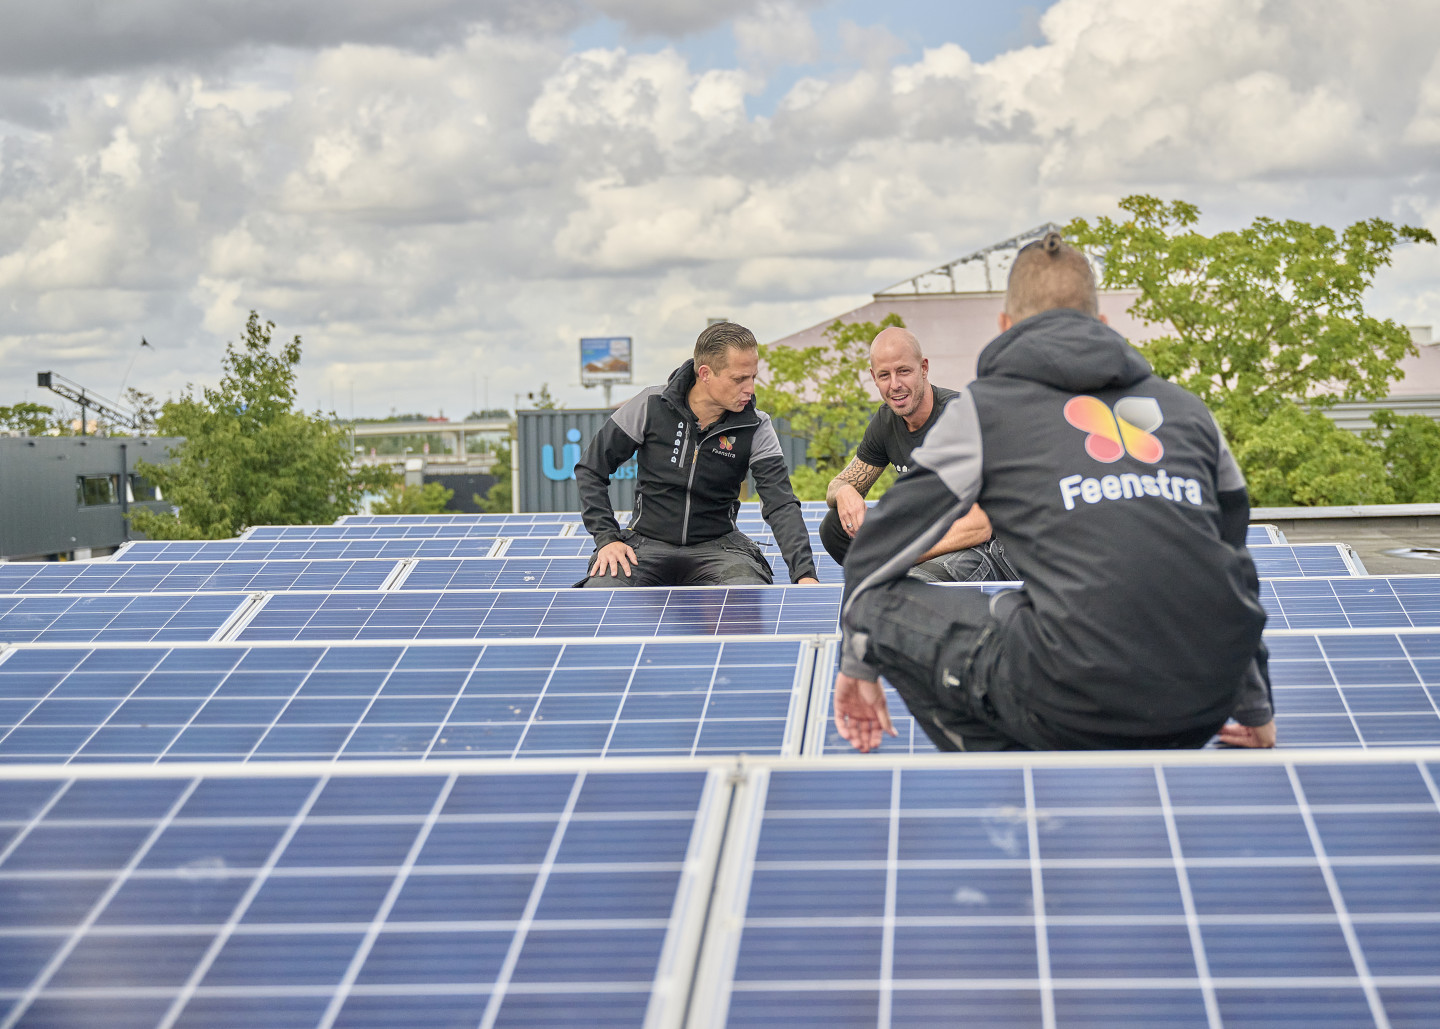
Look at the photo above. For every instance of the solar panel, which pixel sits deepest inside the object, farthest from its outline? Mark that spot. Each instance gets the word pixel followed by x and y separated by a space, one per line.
pixel 1305 559
pixel 1069 892
pixel 193 576
pixel 263 550
pixel 537 613
pixel 1340 689
pixel 463 518
pixel 327 899
pixel 1356 602
pixel 355 702
pixel 142 618
pixel 1256 535
pixel 366 532
pixel 544 572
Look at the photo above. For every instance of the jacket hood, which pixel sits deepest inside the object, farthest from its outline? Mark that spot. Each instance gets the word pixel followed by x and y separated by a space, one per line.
pixel 1065 349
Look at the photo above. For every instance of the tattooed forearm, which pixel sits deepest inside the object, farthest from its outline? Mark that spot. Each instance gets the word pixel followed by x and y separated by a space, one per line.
pixel 858 474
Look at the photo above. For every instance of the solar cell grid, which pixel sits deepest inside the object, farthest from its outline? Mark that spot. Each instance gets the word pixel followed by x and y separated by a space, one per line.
pixel 535 613
pixel 118 618
pixel 240 550
pixel 378 532
pixel 194 576
pixel 546 572
pixel 1163 895
pixel 476 899
pixel 402 702
pixel 1357 602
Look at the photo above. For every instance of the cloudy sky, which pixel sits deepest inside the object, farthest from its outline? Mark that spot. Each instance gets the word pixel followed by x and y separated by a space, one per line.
pixel 441 196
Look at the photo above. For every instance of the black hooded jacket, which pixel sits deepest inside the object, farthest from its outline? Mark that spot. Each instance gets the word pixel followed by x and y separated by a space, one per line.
pixel 1121 507
pixel 687 487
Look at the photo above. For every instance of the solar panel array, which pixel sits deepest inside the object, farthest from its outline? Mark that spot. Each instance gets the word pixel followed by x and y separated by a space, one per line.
pixel 396 772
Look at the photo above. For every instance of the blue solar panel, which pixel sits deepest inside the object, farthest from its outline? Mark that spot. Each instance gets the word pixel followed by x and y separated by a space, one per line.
pixel 1344 689
pixel 378 532
pixel 116 619
pixel 508 700
pixel 532 614
pixel 545 572
pixel 1305 559
pixel 193 576
pixel 1081 895
pixel 1257 535
pixel 272 550
pixel 422 901
pixel 1355 602
pixel 498 521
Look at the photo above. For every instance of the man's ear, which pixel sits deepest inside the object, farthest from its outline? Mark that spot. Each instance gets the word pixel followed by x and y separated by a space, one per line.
pixel 1005 321
pixel 1103 319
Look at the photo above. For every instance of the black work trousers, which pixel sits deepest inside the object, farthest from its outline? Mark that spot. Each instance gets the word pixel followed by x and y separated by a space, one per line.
pixel 730 560
pixel 943 651
pixel 985 563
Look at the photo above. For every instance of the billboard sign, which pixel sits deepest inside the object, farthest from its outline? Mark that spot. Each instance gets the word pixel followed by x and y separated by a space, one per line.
pixel 604 359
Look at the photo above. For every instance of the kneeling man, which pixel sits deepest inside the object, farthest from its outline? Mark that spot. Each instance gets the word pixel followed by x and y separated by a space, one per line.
pixel 695 436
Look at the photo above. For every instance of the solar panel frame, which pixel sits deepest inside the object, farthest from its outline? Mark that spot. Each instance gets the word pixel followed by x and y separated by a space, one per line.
pixel 850 898
pixel 421 701
pixel 1297 560
pixel 572 892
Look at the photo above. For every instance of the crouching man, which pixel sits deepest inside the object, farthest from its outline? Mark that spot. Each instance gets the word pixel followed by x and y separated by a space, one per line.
pixel 1139 623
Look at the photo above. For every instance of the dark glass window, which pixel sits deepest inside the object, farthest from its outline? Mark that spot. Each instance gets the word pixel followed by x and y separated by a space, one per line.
pixel 97 490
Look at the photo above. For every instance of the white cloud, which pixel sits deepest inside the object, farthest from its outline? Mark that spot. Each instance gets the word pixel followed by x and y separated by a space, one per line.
pixel 427 208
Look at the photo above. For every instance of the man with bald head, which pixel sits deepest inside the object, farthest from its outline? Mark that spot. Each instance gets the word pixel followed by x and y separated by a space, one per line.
pixel 1139 622
pixel 901 373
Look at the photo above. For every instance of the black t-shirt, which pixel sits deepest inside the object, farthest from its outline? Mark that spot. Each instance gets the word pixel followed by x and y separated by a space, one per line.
pixel 888 440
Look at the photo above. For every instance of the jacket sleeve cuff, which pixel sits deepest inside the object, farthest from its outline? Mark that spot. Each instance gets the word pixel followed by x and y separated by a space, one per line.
pixel 1254 706
pixel 605 538
pixel 852 661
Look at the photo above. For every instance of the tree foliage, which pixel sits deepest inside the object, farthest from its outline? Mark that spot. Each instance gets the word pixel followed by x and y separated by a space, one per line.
pixel 1262 317
pixel 820 390
pixel 430 498
pixel 28 419
pixel 249 456
pixel 1269 328
pixel 499 498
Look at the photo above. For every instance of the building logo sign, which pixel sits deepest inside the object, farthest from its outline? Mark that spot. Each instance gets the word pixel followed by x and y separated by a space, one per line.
pixel 570 454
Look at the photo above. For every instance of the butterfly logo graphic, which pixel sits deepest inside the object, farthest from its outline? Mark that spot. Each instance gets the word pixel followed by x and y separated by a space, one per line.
pixel 1112 434
pixel 727 442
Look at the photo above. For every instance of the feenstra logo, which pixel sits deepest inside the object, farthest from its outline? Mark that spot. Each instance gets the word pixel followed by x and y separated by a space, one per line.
pixel 1112 434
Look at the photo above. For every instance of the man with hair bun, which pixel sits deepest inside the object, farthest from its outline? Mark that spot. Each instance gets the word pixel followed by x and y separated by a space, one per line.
pixel 694 439
pixel 1139 622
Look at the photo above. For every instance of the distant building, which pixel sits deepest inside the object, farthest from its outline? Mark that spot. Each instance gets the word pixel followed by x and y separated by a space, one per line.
pixel 66 497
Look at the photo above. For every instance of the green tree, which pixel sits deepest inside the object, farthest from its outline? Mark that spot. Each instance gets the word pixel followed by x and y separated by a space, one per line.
pixel 431 498
pixel 249 456
pixel 1410 448
pixel 820 390
pixel 1299 458
pixel 1261 317
pixel 28 419
pixel 499 498
pixel 543 400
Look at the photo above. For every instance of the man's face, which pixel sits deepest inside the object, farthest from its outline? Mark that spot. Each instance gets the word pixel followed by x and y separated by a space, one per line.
pixel 901 379
pixel 732 386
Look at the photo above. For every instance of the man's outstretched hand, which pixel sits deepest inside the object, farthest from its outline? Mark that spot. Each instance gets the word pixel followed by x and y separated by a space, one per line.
pixel 861 714
pixel 1233 734
pixel 612 557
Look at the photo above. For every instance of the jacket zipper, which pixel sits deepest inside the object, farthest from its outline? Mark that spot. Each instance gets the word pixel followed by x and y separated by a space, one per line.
pixel 694 464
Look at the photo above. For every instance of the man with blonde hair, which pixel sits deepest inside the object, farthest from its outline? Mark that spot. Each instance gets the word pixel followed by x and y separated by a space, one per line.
pixel 1139 622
